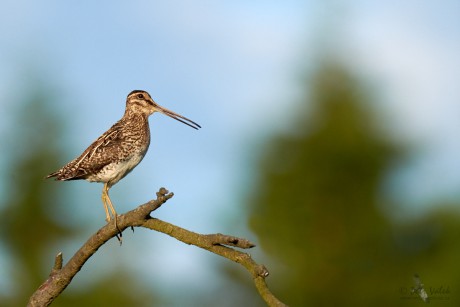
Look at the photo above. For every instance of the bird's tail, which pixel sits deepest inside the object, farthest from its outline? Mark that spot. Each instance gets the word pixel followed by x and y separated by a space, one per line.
pixel 55 174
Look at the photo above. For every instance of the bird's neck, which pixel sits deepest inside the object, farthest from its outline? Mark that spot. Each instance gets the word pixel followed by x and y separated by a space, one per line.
pixel 137 125
pixel 129 113
pixel 137 121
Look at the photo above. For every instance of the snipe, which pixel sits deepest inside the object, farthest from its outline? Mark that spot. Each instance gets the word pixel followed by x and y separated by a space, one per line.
pixel 116 152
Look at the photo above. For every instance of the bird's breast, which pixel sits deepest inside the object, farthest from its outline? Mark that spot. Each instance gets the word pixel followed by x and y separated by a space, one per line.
pixel 115 171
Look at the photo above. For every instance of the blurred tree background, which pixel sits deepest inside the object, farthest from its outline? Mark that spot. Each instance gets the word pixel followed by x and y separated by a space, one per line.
pixel 319 212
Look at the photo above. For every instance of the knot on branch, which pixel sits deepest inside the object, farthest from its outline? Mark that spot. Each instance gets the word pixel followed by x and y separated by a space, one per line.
pixel 163 192
pixel 221 239
pixel 262 271
pixel 57 264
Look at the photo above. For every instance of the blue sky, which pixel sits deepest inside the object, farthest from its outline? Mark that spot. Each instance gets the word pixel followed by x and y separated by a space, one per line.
pixel 234 67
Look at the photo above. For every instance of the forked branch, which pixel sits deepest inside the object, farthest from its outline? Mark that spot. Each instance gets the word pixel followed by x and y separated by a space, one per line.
pixel 61 276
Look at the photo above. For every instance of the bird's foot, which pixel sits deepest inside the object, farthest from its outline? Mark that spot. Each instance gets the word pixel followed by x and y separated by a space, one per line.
pixel 120 238
pixel 119 234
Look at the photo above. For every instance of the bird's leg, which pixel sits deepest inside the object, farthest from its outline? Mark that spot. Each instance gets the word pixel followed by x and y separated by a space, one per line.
pixel 104 202
pixel 108 203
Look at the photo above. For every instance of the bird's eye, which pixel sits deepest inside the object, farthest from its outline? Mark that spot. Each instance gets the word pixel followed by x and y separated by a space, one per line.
pixel 140 96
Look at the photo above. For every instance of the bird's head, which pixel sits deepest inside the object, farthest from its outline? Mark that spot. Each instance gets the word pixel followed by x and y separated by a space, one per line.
pixel 141 102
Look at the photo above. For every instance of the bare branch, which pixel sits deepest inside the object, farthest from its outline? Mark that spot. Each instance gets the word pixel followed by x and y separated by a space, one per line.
pixel 60 277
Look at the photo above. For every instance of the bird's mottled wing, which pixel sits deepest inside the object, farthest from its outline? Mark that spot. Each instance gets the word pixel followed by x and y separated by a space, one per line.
pixel 100 153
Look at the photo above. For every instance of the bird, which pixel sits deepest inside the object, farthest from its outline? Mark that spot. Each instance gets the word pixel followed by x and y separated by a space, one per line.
pixel 118 150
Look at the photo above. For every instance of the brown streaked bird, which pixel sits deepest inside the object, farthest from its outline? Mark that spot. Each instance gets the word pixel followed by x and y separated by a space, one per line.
pixel 120 149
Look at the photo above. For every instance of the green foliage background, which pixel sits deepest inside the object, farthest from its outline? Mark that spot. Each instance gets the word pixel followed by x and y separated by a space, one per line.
pixel 319 212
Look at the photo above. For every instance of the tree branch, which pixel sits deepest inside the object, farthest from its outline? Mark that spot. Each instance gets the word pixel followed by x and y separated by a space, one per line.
pixel 61 276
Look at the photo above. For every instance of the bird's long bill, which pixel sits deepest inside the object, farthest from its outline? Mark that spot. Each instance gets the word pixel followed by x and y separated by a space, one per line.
pixel 178 117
